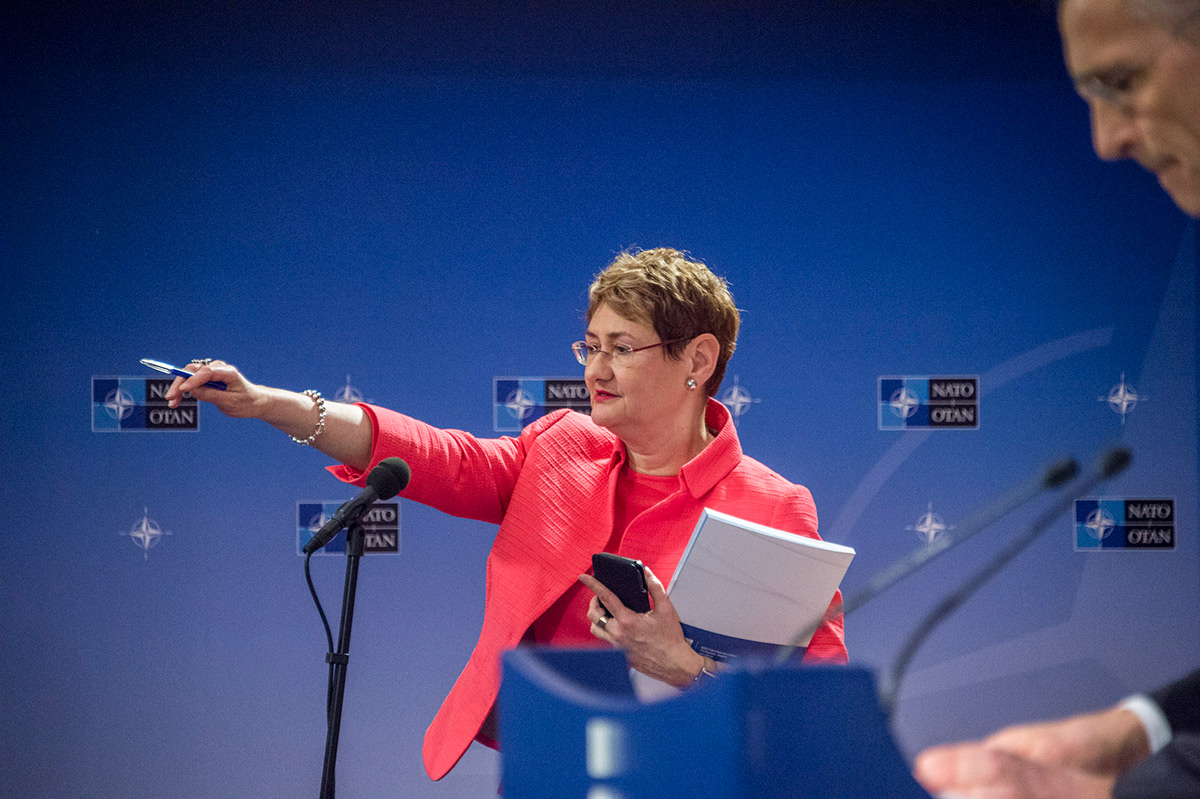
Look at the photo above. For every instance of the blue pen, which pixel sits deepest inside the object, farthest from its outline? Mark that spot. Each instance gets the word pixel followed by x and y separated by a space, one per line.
pixel 175 370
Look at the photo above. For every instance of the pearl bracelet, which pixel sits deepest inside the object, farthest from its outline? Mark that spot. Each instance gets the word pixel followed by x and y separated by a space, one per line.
pixel 320 401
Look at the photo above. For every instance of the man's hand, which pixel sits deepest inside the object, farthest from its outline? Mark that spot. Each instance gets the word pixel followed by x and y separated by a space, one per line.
pixel 978 771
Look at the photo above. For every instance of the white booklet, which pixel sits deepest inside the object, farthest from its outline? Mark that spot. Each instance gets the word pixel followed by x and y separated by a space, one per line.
pixel 743 588
pixel 747 589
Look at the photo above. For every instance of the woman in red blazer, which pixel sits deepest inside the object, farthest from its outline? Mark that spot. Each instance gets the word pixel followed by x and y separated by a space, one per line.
pixel 631 479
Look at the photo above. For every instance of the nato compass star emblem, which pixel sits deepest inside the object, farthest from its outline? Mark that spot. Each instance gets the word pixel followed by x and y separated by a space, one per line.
pixel 904 403
pixel 737 399
pixel 119 404
pixel 1100 524
pixel 519 403
pixel 348 394
pixel 1122 398
pixel 145 533
pixel 317 522
pixel 929 525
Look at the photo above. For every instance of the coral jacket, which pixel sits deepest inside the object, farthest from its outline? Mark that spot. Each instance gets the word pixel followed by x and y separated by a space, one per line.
pixel 551 490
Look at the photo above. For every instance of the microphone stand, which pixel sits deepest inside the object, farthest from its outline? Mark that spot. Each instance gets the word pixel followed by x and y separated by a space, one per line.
pixel 338 660
pixel 1111 464
pixel 1054 477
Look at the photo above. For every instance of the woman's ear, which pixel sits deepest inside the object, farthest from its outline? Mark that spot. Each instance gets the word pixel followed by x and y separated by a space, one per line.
pixel 703 352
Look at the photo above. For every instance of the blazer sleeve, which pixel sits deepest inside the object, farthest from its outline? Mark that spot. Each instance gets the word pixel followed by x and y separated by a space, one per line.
pixel 1180 703
pixel 798 514
pixel 1172 773
pixel 452 470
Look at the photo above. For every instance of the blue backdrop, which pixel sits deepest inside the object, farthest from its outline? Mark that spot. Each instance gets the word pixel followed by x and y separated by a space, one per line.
pixel 323 210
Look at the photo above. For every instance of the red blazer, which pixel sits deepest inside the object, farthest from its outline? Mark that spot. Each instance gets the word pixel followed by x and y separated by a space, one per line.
pixel 551 490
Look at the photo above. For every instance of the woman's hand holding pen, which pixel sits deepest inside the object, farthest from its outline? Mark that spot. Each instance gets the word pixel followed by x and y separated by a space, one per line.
pixel 342 431
pixel 241 399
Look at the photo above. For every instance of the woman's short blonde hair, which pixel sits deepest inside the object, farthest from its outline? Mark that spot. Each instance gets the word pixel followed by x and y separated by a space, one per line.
pixel 677 297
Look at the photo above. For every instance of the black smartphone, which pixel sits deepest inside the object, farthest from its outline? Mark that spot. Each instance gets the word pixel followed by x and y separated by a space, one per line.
pixel 625 577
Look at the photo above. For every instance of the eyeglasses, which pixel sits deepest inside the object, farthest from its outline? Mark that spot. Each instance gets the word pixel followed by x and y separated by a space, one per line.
pixel 1115 86
pixel 584 352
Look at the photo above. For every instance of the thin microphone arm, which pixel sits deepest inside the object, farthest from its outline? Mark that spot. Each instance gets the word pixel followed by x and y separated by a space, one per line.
pixel 1111 464
pixel 1055 476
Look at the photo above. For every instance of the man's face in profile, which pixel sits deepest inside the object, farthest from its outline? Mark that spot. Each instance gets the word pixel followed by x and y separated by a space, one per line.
pixel 1142 84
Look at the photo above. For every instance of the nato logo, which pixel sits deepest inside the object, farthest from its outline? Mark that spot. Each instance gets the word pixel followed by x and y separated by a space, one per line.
pixel 139 404
pixel 737 399
pixel 1124 524
pixel 929 526
pixel 517 401
pixel 348 394
pixel 381 528
pixel 145 533
pixel 1122 398
pixel 928 403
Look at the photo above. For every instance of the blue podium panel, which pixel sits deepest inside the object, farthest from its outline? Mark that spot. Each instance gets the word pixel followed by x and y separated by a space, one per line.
pixel 571 726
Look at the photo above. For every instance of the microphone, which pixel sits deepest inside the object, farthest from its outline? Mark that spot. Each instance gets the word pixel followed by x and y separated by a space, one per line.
pixel 1055 476
pixel 1111 464
pixel 384 482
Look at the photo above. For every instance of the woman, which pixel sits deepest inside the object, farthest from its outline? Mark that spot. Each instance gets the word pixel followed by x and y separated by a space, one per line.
pixel 632 480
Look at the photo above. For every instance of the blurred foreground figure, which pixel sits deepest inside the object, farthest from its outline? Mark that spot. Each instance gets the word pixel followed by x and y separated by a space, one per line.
pixel 1137 64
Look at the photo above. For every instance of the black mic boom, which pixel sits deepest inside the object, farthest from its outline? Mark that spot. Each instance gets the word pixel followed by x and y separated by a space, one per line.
pixel 1111 464
pixel 384 482
pixel 1053 477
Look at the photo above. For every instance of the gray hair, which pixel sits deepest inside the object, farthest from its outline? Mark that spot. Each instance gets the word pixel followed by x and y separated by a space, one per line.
pixel 1180 17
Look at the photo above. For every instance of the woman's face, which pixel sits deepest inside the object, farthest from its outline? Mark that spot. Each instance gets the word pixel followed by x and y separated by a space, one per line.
pixel 636 395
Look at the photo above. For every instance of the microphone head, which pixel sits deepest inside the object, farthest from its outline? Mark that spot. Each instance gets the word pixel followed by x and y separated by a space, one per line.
pixel 1060 473
pixel 390 477
pixel 1115 461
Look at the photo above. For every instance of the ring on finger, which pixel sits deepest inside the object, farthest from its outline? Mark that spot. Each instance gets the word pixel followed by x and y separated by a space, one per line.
pixel 202 361
pixel 602 622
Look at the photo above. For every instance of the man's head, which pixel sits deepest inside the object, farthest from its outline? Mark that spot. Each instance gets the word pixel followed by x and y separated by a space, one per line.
pixel 1137 64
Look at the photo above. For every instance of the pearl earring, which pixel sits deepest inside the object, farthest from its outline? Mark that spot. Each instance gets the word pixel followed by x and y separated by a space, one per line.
pixel 691 384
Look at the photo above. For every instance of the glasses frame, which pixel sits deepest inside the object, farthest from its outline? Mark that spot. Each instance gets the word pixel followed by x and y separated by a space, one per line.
pixel 582 351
